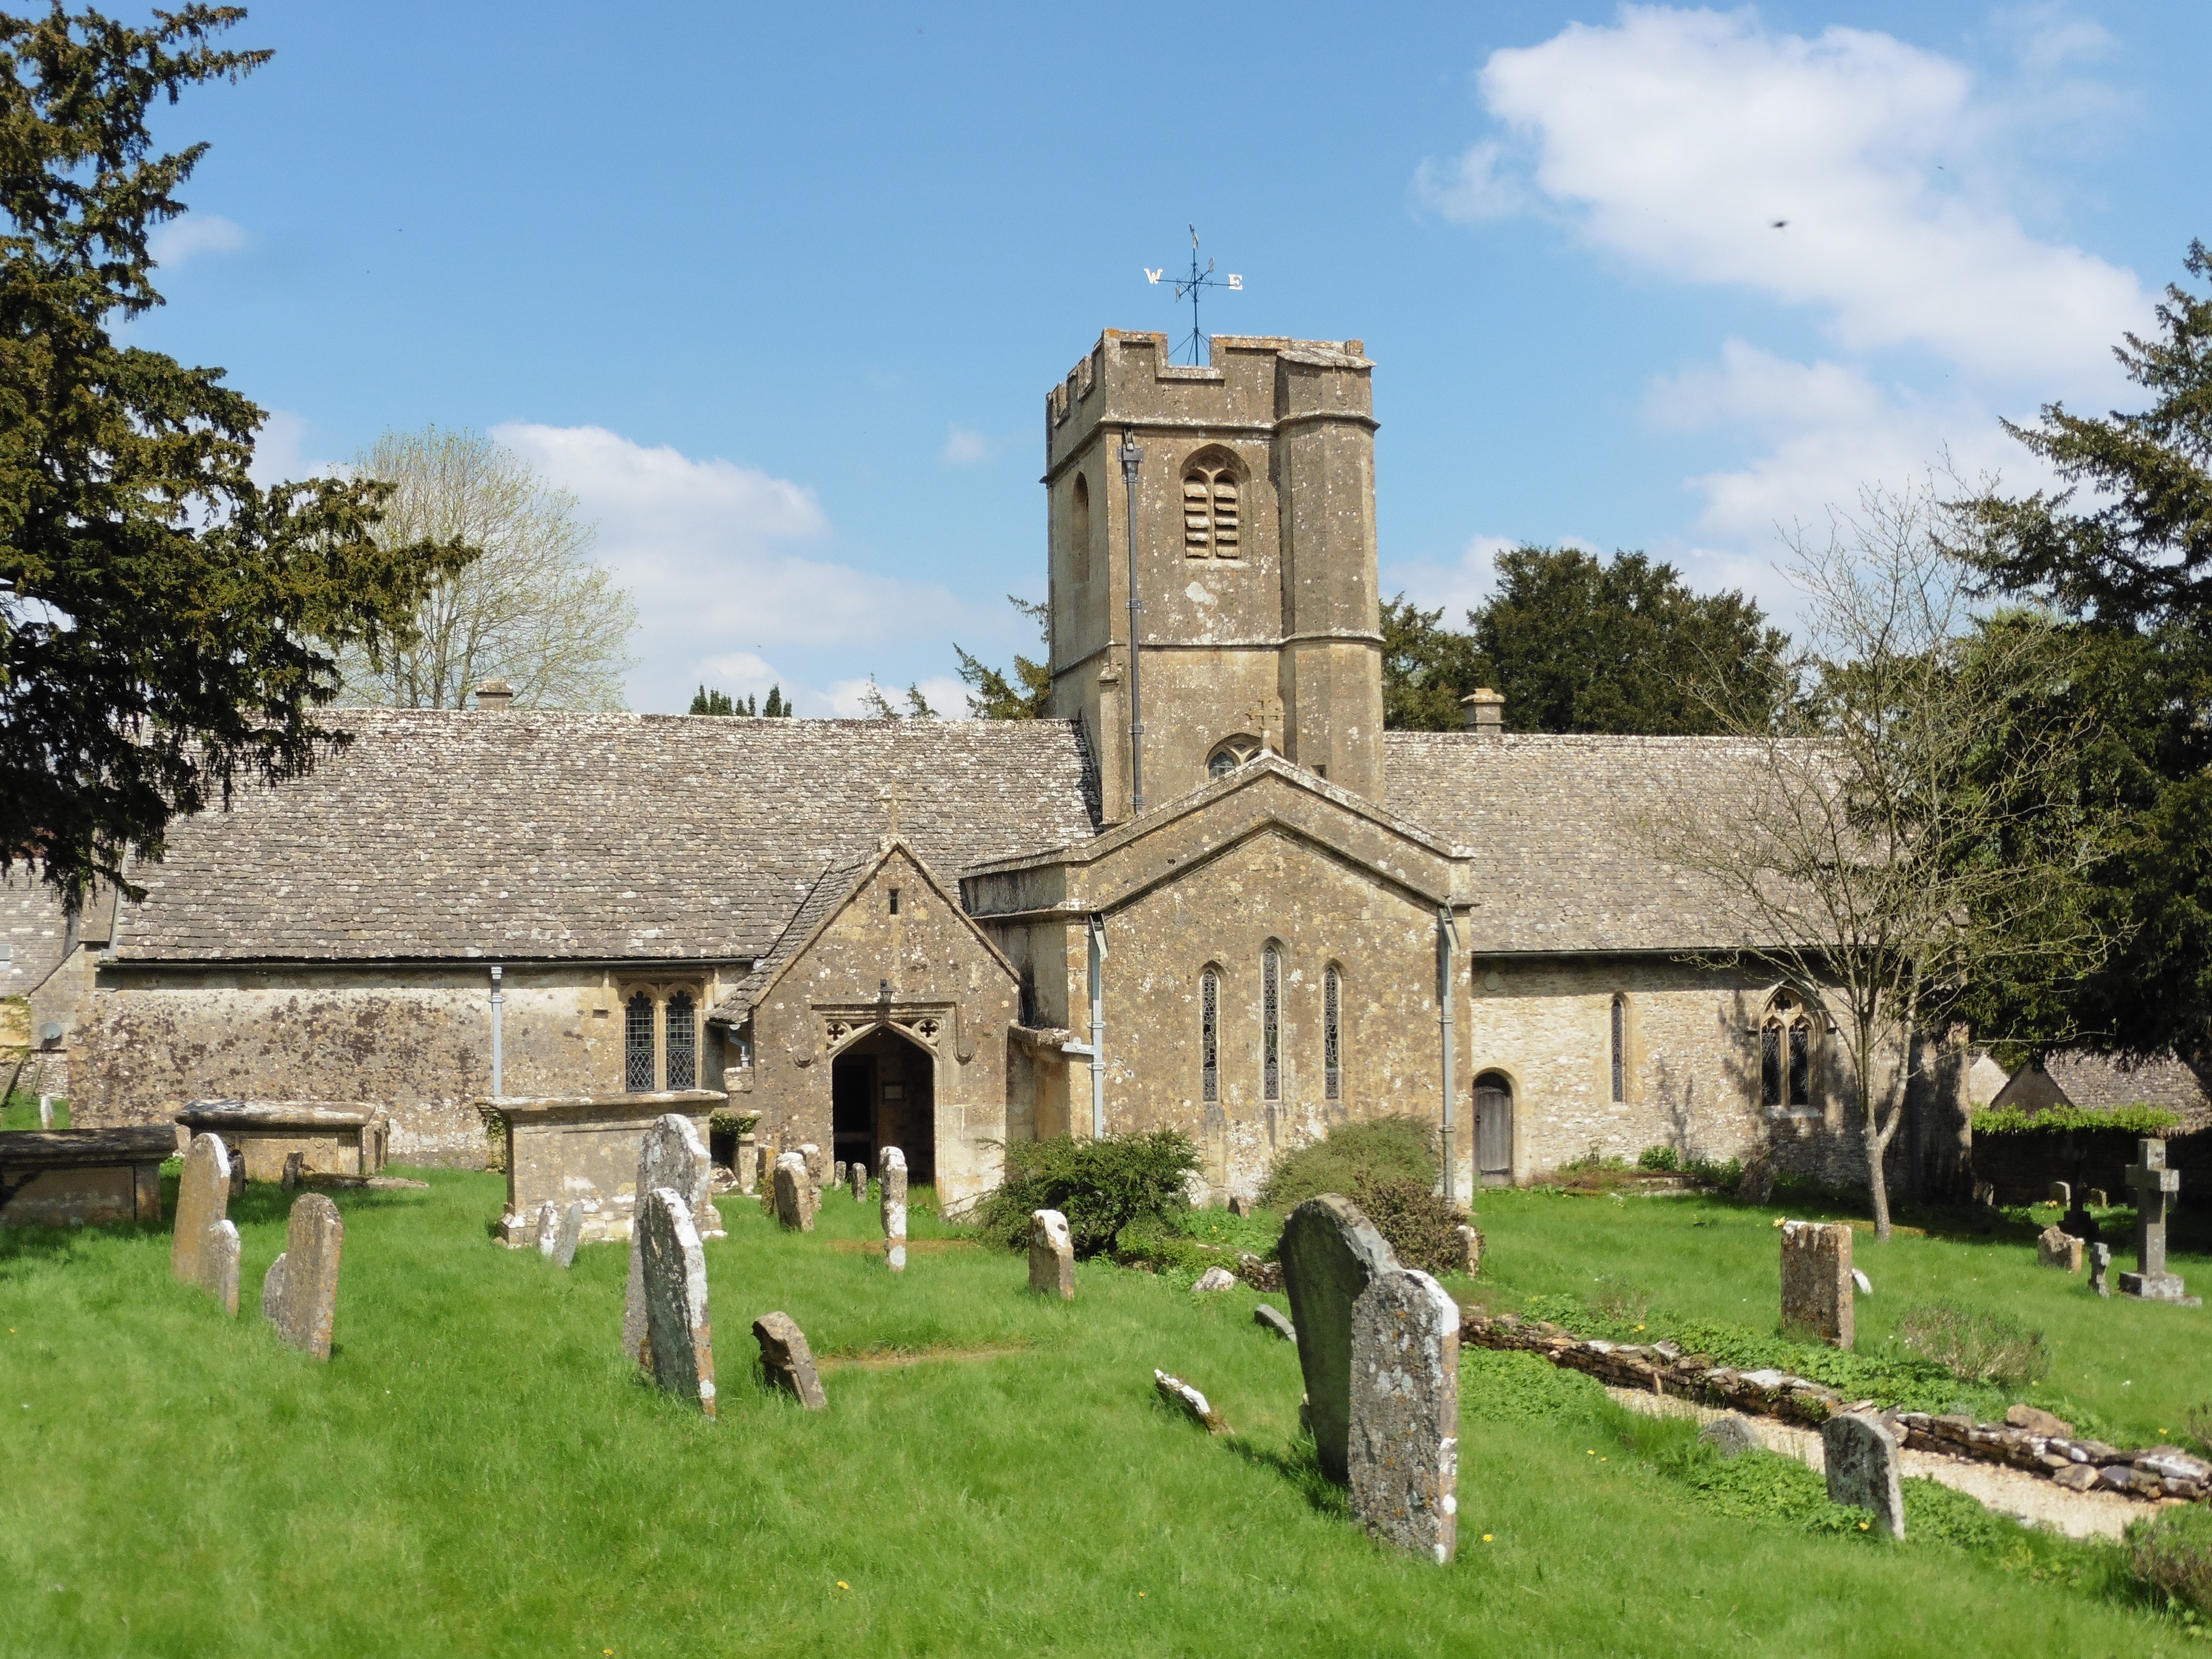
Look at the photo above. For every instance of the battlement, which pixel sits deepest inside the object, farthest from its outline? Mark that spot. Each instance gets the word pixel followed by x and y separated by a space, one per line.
pixel 1248 384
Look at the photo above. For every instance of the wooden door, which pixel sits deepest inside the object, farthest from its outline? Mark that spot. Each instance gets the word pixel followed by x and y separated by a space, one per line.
pixel 1493 1129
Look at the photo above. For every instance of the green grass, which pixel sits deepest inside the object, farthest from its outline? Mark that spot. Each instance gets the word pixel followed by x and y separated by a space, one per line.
pixel 476 1472
pixel 20 1111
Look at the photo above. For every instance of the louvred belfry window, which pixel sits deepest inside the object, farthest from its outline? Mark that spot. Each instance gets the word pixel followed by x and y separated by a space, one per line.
pixel 637 1044
pixel 1210 526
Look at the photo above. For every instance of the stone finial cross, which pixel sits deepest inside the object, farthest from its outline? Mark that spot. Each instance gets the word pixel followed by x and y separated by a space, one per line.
pixel 2154 1183
pixel 892 795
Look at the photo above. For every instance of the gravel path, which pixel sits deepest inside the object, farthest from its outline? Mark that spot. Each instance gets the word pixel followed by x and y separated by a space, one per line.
pixel 2007 1491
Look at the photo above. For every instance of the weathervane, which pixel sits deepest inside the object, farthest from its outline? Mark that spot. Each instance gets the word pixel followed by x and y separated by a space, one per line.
pixel 1190 285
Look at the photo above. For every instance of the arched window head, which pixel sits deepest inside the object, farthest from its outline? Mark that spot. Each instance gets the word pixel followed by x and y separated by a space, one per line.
pixel 1211 529
pixel 637 1044
pixel 1332 1033
pixel 1271 1024
pixel 1620 1049
pixel 1231 753
pixel 1079 529
pixel 1786 1054
pixel 1209 1035
pixel 683 1041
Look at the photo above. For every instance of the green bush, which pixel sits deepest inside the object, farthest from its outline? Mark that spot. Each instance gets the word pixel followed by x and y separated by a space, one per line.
pixel 1100 1186
pixel 2172 1552
pixel 1659 1157
pixel 1382 1149
pixel 1420 1226
pixel 1724 1173
pixel 1976 1346
pixel 2139 1121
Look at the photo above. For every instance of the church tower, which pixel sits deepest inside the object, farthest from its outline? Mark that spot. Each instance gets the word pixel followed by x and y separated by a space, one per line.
pixel 1258 617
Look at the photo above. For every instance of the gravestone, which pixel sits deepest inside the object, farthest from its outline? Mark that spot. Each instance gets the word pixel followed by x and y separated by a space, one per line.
pixel 1181 1397
pixel 678 1334
pixel 837 1172
pixel 1215 1279
pixel 748 1162
pixel 1861 1456
pixel 294 1173
pixel 787 1361
pixel 794 1193
pixel 812 1156
pixel 2154 1186
pixel 2101 1266
pixel 1271 1318
pixel 1816 1280
pixel 1052 1256
pixel 1330 1254
pixel 548 1228
pixel 1403 1450
pixel 1470 1248
pixel 570 1235
pixel 2054 1249
pixel 670 1155
pixel 299 1297
pixel 204 1247
pixel 1730 1435
pixel 2061 1194
pixel 2097 1198
pixel 856 1173
pixel 892 1183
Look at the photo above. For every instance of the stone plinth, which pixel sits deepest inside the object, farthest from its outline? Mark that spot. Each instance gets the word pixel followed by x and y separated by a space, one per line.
pixel 1816 1280
pixel 87 1177
pixel 1403 1449
pixel 1331 1253
pixel 570 1149
pixel 333 1137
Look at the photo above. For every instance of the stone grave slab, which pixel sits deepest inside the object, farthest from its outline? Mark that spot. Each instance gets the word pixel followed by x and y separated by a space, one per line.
pixel 1863 1468
pixel 892 1184
pixel 83 1177
pixel 1403 1447
pixel 678 1334
pixel 330 1137
pixel 787 1361
pixel 299 1297
pixel 1816 1280
pixel 1181 1397
pixel 1330 1254
pixel 1052 1256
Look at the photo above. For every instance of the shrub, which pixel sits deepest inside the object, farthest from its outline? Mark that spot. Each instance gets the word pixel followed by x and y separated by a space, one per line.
pixel 1100 1186
pixel 2172 1552
pixel 1975 1345
pixel 1420 1226
pixel 1725 1173
pixel 2138 1121
pixel 1382 1149
pixel 1659 1157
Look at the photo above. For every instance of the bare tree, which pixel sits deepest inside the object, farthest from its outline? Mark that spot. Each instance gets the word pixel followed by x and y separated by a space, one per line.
pixel 533 609
pixel 1891 833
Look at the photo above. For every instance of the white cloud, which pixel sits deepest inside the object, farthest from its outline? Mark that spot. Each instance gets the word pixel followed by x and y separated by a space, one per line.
pixel 280 450
pixel 1457 587
pixel 1473 185
pixel 965 446
pixel 847 699
pixel 709 550
pixel 180 240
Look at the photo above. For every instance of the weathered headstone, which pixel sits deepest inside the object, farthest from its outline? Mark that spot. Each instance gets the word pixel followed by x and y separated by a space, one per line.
pixel 748 1162
pixel 856 1174
pixel 548 1228
pixel 1816 1280
pixel 1861 1453
pixel 294 1173
pixel 1330 1254
pixel 299 1297
pixel 795 1194
pixel 2100 1267
pixel 787 1361
pixel 1730 1435
pixel 2061 1194
pixel 2054 1249
pixel 812 1155
pixel 570 1235
pixel 677 1333
pixel 1470 1248
pixel 2154 1186
pixel 1272 1318
pixel 670 1155
pixel 2097 1198
pixel 1215 1279
pixel 203 1246
pixel 1052 1256
pixel 1181 1396
pixel 837 1172
pixel 1403 1450
pixel 891 1181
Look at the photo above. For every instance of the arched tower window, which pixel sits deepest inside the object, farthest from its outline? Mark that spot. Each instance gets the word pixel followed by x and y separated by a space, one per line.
pixel 1621 1047
pixel 1210 524
pixel 637 1044
pixel 1079 529
pixel 1786 1054
pixel 1209 1035
pixel 1231 753
pixel 1332 1033
pixel 1271 1024
pixel 683 1043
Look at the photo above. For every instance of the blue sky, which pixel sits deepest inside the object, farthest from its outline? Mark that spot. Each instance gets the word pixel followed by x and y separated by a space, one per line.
pixel 778 292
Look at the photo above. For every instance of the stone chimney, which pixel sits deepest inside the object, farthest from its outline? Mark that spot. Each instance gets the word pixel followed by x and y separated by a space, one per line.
pixel 494 696
pixel 1486 712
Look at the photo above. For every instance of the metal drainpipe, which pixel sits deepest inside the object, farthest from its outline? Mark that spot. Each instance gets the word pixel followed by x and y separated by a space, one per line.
pixel 1132 457
pixel 1098 930
pixel 1447 938
pixel 496 1009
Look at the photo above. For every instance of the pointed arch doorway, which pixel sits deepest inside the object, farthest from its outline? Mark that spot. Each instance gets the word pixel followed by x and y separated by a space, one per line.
pixel 1493 1129
pixel 882 1092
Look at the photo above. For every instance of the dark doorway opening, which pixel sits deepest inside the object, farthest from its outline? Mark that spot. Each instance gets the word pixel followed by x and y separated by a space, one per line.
pixel 882 1092
pixel 1493 1129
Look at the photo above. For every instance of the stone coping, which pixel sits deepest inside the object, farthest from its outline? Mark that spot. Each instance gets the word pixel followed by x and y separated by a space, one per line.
pixel 220 1115
pixel 554 1109
pixel 84 1149
pixel 2151 1472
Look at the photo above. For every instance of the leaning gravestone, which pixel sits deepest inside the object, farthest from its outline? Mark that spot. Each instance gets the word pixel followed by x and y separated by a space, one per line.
pixel 1403 1447
pixel 2155 1185
pixel 670 1155
pixel 1861 1453
pixel 1052 1256
pixel 2055 1249
pixel 812 1156
pixel 788 1361
pixel 892 1184
pixel 1274 1319
pixel 570 1235
pixel 299 1297
pixel 676 1332
pixel 1816 1280
pixel 1330 1253
pixel 794 1211
pixel 203 1246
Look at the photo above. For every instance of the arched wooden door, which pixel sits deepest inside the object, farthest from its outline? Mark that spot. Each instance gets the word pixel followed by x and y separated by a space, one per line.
pixel 1493 1129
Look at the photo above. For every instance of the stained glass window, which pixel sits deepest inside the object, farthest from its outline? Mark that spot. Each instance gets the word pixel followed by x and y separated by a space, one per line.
pixel 683 1043
pixel 1332 1034
pixel 1209 1035
pixel 637 1044
pixel 1271 1024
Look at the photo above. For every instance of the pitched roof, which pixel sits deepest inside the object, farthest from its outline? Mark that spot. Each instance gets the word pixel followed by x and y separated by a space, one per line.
pixel 522 834
pixel 1553 824
pixel 2099 1082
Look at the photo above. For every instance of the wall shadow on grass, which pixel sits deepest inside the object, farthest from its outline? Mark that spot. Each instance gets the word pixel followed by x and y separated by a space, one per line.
pixel 1299 1465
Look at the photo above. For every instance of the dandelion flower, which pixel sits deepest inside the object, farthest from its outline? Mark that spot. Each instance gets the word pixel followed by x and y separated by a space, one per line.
pixel 842 1584
pixel 1864 1525
pixel 1485 1538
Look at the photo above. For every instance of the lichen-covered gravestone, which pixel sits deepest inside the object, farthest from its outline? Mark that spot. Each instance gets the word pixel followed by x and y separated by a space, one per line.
pixel 299 1297
pixel 1470 1248
pixel 1861 1453
pixel 670 1155
pixel 2057 1248
pixel 811 1155
pixel 1330 1253
pixel 677 1331
pixel 1403 1447
pixel 786 1360
pixel 856 1173
pixel 2100 1265
pixel 1816 1280
pixel 2155 1185
pixel 837 1172
pixel 892 1182
pixel 795 1207
pixel 203 1246
pixel 570 1235
pixel 1052 1256
pixel 748 1162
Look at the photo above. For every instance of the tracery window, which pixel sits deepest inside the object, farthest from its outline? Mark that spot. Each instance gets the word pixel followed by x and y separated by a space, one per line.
pixel 1231 753
pixel 1620 1049
pixel 1209 1035
pixel 637 1044
pixel 1332 1034
pixel 1785 1055
pixel 683 1043
pixel 1210 529
pixel 1271 1024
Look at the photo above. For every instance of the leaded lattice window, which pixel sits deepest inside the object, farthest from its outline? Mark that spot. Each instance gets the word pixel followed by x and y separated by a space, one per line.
pixel 1209 1036
pixel 683 1043
pixel 1332 1034
pixel 1621 1047
pixel 637 1044
pixel 1785 1055
pixel 1271 1024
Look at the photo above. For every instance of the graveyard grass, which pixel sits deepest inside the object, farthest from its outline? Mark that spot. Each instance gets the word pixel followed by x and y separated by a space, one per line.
pixel 477 1471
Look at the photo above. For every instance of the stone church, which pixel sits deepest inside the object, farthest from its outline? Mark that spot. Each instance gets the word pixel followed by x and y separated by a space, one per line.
pixel 1210 892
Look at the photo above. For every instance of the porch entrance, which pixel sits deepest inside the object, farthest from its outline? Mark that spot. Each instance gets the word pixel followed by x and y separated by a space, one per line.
pixel 882 1092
